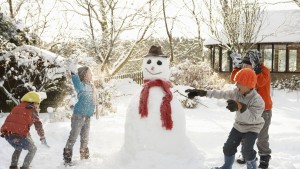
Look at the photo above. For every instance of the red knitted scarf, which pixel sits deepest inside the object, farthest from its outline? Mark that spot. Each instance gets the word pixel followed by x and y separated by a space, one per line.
pixel 165 107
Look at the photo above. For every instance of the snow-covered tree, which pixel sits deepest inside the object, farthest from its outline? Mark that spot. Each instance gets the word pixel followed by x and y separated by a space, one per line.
pixel 11 32
pixel 23 67
pixel 297 2
pixel 105 22
pixel 234 24
pixel 29 68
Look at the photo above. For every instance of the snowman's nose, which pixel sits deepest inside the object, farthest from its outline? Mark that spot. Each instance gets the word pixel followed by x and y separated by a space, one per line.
pixel 152 68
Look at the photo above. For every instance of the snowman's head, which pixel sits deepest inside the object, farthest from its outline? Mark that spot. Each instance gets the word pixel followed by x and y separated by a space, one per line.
pixel 156 65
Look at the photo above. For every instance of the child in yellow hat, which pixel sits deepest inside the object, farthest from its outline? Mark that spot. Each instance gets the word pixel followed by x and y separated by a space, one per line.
pixel 17 125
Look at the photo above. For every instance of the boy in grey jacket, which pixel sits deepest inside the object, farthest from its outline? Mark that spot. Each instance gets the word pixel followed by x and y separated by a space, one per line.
pixel 249 106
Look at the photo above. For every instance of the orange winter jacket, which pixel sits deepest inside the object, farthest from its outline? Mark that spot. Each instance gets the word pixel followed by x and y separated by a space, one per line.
pixel 21 119
pixel 263 85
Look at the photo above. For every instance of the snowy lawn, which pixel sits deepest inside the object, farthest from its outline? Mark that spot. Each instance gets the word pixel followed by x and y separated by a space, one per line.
pixel 207 128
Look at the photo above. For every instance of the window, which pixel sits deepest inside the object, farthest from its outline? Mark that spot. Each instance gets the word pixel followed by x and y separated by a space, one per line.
pixel 266 52
pixel 276 57
pixel 225 61
pixel 292 60
pixel 294 57
pixel 216 56
pixel 279 59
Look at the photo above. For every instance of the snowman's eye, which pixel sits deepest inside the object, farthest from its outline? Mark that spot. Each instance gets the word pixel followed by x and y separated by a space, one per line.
pixel 148 61
pixel 159 62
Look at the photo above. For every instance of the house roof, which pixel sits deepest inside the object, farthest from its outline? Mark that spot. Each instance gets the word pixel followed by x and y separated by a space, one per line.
pixel 279 26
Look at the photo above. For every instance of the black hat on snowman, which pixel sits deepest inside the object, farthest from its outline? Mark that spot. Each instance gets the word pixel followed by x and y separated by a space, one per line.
pixel 156 51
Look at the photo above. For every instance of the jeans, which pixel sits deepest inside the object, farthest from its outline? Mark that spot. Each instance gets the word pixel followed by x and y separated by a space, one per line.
pixel 79 125
pixel 20 142
pixel 235 138
pixel 263 136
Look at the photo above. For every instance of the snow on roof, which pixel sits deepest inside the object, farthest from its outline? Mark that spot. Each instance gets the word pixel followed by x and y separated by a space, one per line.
pixel 279 26
pixel 41 52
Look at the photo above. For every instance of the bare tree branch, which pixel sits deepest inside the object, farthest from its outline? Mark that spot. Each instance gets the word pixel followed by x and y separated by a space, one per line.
pixel 240 22
pixel 297 2
pixel 169 33
pixel 195 15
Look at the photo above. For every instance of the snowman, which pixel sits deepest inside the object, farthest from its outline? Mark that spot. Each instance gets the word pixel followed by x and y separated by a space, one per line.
pixel 155 120
pixel 155 132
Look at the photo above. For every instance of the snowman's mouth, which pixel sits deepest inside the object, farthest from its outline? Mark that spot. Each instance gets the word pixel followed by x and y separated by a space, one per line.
pixel 153 73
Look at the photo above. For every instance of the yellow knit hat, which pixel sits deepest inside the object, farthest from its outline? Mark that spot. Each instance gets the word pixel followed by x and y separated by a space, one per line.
pixel 246 77
pixel 32 97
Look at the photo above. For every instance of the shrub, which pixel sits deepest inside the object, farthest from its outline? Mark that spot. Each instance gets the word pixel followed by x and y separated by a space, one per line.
pixel 292 84
pixel 198 75
pixel 29 68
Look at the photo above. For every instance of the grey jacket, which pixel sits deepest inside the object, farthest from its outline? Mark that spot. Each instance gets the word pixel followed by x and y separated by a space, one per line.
pixel 250 120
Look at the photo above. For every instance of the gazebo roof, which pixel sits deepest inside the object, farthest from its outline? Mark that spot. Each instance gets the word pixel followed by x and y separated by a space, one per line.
pixel 279 26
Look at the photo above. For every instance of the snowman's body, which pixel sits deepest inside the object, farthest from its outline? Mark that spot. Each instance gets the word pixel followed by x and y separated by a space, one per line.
pixel 148 133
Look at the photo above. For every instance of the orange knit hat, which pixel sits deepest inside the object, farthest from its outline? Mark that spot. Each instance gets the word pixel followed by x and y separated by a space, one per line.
pixel 246 77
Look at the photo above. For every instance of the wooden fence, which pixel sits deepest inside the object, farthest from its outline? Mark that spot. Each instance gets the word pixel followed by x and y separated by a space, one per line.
pixel 137 77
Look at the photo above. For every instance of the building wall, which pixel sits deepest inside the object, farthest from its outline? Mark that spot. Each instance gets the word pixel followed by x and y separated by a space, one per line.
pixel 279 57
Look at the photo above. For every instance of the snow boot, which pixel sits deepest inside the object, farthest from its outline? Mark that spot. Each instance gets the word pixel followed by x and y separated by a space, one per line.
pixel 24 168
pixel 228 163
pixel 67 156
pixel 241 160
pixel 13 167
pixel 84 153
pixel 251 164
pixel 264 161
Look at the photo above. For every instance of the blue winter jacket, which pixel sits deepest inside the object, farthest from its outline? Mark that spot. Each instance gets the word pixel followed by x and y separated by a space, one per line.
pixel 85 104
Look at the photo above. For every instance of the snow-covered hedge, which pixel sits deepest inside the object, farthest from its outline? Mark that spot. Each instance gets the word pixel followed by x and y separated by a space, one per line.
pixel 28 68
pixel 198 75
pixel 292 84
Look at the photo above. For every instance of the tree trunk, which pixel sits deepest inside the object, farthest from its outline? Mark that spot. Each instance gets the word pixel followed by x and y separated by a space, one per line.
pixel 11 9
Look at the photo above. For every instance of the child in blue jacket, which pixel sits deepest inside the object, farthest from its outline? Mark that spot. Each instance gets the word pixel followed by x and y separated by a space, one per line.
pixel 83 110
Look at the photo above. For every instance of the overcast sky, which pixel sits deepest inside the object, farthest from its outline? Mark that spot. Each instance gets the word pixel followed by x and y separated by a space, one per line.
pixel 186 27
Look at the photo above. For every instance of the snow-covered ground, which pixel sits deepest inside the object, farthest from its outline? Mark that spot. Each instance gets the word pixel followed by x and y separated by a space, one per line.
pixel 206 127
